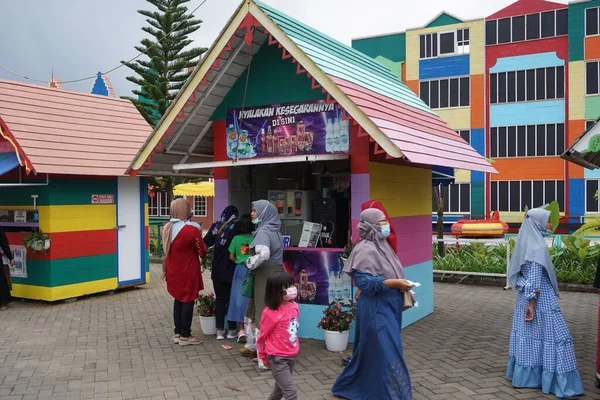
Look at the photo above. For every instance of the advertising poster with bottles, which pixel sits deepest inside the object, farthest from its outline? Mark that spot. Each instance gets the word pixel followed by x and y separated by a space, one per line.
pixel 279 130
pixel 318 275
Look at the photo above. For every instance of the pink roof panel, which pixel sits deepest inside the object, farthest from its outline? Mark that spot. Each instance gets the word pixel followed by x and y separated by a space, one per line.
pixel 67 132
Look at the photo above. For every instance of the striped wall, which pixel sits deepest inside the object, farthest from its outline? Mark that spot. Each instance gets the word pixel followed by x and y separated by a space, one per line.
pixel 82 258
pixel 405 192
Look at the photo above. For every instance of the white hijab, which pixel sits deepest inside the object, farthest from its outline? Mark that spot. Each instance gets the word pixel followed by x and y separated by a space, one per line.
pixel 531 246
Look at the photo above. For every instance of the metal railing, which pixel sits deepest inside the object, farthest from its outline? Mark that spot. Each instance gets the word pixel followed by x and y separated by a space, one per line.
pixel 486 242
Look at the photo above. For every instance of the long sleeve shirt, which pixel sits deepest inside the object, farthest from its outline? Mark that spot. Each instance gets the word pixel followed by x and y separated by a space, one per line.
pixel 7 253
pixel 278 334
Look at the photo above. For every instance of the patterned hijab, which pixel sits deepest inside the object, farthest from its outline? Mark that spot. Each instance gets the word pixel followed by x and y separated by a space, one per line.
pixel 531 246
pixel 373 254
pixel 180 212
pixel 224 229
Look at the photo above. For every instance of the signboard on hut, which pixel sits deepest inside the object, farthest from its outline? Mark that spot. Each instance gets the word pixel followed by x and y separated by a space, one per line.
pixel 279 130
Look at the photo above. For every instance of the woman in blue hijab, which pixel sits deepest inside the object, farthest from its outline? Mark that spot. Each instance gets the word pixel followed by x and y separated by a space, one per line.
pixel 220 235
pixel 541 353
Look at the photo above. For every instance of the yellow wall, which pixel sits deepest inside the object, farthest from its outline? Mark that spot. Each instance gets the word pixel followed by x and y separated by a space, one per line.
pixel 456 118
pixel 577 90
pixel 405 191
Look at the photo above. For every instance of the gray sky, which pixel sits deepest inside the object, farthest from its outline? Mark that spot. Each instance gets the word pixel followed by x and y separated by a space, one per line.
pixel 78 38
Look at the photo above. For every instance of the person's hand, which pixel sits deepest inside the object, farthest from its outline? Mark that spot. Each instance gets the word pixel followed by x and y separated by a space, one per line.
pixel 529 313
pixel 403 285
pixel 163 277
pixel 357 294
pixel 266 363
pixel 12 263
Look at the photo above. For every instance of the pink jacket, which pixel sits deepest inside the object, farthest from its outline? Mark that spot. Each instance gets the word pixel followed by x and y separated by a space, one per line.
pixel 278 335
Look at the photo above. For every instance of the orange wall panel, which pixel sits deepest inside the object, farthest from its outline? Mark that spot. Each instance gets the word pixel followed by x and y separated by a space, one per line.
pixel 536 168
pixel 477 102
pixel 574 129
pixel 414 86
pixel 592 47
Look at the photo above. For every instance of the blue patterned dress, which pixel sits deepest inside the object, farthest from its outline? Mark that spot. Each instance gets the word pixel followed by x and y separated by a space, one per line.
pixel 377 370
pixel 541 351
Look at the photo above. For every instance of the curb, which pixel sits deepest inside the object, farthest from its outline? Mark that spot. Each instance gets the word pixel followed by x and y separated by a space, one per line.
pixel 501 282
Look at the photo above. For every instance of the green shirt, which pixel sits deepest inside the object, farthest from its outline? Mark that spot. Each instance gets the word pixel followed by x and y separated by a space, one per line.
pixel 240 247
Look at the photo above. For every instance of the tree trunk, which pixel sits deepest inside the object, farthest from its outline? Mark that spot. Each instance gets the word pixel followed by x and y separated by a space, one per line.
pixel 440 219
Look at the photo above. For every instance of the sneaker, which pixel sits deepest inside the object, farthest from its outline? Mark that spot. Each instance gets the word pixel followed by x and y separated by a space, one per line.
pixel 220 335
pixel 189 341
pixel 248 353
pixel 231 334
pixel 241 336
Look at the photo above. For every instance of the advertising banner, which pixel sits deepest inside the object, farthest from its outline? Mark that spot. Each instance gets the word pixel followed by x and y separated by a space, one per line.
pixel 278 130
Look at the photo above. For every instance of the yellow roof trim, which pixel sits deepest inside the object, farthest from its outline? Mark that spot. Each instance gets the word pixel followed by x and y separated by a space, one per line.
pixel 189 89
pixel 308 64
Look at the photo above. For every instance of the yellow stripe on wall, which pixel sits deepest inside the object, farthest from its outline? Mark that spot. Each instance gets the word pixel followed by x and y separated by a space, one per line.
pixel 462 176
pixel 78 218
pixel 412 55
pixel 146 215
pixel 457 118
pixel 405 191
pixel 477 46
pixel 63 292
pixel 577 90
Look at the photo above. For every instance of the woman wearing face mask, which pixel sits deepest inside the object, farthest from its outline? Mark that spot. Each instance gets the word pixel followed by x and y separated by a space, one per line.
pixel 377 369
pixel 267 258
pixel 541 348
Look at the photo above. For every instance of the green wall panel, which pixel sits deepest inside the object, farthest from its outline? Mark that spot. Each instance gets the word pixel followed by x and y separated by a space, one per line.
pixel 67 191
pixel 21 195
pixel 284 85
pixel 392 47
pixel 38 273
pixel 592 107
pixel 443 20
pixel 477 198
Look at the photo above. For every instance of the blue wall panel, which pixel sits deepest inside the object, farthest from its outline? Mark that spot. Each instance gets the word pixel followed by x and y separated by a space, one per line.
pixel 478 141
pixel 576 197
pixel 592 173
pixel 529 61
pixel 532 112
pixel 444 67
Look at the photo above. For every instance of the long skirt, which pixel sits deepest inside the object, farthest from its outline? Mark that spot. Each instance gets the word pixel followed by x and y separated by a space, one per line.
pixel 237 302
pixel 5 288
pixel 257 305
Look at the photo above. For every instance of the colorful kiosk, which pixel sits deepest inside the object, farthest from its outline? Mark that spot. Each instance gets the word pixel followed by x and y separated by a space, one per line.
pixel 63 162
pixel 279 111
pixel 585 152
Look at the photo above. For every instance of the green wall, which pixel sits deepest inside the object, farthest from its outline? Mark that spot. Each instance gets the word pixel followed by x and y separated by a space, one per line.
pixel 392 47
pixel 443 20
pixel 284 84
pixel 577 28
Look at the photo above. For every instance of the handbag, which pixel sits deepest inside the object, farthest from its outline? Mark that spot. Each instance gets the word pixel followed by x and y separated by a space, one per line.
pixel 248 286
pixel 409 300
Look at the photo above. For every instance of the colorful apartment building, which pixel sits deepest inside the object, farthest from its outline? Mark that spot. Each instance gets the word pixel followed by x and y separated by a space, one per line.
pixel 519 85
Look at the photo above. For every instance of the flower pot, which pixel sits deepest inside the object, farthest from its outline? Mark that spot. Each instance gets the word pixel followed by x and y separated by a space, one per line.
pixel 40 245
pixel 46 244
pixel 336 341
pixel 208 325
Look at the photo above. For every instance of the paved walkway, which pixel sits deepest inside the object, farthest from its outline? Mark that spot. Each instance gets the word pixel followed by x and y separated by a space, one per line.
pixel 117 347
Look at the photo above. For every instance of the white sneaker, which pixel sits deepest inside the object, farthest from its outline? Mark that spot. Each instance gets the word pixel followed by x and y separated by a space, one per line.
pixel 231 335
pixel 220 335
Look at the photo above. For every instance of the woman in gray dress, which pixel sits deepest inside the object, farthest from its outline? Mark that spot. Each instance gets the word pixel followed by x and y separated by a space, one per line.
pixel 267 257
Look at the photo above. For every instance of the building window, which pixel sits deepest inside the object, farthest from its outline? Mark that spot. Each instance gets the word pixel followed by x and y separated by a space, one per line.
pixel 465 134
pixel 444 43
pixel 435 93
pixel 589 123
pixel 527 27
pixel 591 21
pixel 591 204
pixel 457 198
pixel 527 141
pixel 514 196
pixel 200 206
pixel 592 83
pixel 529 85
pixel 158 205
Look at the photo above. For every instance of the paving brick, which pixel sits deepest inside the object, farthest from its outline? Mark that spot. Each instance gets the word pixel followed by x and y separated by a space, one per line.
pixel 118 347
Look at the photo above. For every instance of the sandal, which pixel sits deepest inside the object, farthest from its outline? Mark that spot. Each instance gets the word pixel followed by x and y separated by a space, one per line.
pixel 175 338
pixel 190 340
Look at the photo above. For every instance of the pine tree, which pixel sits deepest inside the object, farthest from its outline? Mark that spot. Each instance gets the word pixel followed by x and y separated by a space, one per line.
pixel 167 68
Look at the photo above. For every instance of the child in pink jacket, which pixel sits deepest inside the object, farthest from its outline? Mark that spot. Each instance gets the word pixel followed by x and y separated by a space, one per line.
pixel 277 341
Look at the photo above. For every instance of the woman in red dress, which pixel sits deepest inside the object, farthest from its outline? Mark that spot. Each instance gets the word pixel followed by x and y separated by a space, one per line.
pixel 182 244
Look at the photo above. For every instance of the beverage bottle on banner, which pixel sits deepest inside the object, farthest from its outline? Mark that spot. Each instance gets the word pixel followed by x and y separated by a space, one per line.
pixel 345 136
pixel 329 136
pixel 331 285
pixel 346 285
pixel 231 141
pixel 269 140
pixel 263 142
pixel 336 135
pixel 339 286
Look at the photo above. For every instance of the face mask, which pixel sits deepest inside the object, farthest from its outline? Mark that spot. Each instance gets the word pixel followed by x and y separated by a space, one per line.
pixel 256 221
pixel 547 232
pixel 385 231
pixel 290 293
pixel 191 215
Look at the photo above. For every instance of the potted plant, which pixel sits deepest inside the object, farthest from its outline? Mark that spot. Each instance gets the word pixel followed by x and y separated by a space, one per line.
pixel 347 250
pixel 37 241
pixel 206 310
pixel 336 323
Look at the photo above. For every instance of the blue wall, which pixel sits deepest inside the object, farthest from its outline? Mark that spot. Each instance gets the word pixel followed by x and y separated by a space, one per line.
pixel 529 112
pixel 529 61
pixel 444 67
pixel 576 197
